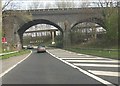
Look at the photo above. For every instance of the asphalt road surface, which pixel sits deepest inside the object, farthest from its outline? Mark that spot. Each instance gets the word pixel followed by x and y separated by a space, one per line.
pixel 42 68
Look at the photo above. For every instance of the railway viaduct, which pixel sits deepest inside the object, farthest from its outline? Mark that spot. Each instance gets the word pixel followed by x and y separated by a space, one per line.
pixel 16 22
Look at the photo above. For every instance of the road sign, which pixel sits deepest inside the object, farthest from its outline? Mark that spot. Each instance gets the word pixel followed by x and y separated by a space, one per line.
pixel 3 40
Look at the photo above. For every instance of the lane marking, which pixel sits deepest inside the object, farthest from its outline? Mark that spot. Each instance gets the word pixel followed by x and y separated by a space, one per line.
pixel 105 73
pixel 96 65
pixel 98 61
pixel 2 74
pixel 82 58
pixel 67 56
pixel 78 58
pixel 80 54
pixel 84 71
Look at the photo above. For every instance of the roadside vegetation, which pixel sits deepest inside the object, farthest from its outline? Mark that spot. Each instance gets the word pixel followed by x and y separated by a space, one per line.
pixel 104 45
pixel 109 53
pixel 15 54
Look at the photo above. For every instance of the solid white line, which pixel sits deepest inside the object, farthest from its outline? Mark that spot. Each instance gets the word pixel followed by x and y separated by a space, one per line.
pixel 95 65
pixel 105 73
pixel 2 74
pixel 85 72
pixel 98 61
pixel 83 58
pixel 80 54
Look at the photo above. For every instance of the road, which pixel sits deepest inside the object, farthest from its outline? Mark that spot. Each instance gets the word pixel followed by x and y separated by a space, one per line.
pixel 43 68
pixel 102 69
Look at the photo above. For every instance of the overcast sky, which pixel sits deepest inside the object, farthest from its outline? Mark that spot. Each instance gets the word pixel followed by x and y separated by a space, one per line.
pixel 25 4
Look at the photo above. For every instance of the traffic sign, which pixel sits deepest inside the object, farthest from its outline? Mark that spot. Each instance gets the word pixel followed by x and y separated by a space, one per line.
pixel 3 40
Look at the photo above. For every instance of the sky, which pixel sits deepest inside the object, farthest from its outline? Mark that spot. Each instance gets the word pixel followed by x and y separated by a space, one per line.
pixel 25 4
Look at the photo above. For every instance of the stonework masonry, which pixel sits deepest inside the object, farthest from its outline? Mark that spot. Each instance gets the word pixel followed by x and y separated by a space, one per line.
pixel 15 23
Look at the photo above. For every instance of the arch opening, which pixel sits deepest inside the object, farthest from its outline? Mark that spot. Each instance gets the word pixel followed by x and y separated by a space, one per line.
pixel 86 31
pixel 30 24
pixel 98 21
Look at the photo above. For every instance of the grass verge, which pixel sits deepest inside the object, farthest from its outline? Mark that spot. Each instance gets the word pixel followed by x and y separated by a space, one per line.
pixel 97 52
pixel 15 54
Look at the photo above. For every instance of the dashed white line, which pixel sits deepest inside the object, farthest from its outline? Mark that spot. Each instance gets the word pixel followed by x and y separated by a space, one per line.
pixel 84 71
pixel 105 73
pixel 82 58
pixel 95 65
pixel 98 61
pixel 80 54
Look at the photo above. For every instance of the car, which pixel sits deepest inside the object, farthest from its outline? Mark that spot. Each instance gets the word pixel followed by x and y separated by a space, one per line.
pixel 29 47
pixel 41 48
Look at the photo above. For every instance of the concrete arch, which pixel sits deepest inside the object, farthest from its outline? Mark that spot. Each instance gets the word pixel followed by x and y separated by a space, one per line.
pixel 92 20
pixel 27 25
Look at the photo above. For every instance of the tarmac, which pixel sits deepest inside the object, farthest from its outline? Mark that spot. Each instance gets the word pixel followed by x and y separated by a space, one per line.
pixel 7 63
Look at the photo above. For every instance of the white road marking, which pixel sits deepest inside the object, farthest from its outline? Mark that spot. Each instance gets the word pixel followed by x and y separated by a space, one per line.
pixel 2 74
pixel 95 56
pixel 96 65
pixel 84 71
pixel 105 73
pixel 82 58
pixel 88 56
pixel 80 54
pixel 98 61
pixel 68 56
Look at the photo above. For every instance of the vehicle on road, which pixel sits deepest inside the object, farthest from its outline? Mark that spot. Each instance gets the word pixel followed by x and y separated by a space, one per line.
pixel 41 48
pixel 29 47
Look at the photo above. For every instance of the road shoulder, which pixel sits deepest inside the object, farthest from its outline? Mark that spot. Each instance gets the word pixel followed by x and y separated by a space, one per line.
pixel 8 63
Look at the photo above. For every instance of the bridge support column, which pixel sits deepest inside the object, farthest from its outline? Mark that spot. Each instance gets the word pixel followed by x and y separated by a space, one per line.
pixel 16 38
pixel 67 35
pixel 53 37
pixel 53 34
pixel 10 27
pixel 18 43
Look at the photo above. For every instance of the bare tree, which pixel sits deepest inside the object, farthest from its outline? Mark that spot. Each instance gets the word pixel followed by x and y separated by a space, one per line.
pixel 109 12
pixel 36 5
pixel 6 4
pixel 106 3
pixel 65 3
pixel 84 3
pixel 33 5
pixel 48 5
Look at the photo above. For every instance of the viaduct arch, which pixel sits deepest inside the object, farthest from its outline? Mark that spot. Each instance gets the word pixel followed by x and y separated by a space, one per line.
pixel 63 19
pixel 27 25
pixel 92 20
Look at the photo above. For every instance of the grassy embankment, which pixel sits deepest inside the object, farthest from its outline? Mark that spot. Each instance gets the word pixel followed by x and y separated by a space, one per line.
pixel 97 52
pixel 111 52
pixel 15 54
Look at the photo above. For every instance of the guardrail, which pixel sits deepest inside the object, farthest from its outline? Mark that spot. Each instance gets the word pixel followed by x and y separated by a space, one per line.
pixel 2 54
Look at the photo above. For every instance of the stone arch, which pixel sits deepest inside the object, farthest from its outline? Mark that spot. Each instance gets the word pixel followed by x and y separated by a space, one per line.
pixel 92 20
pixel 27 25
